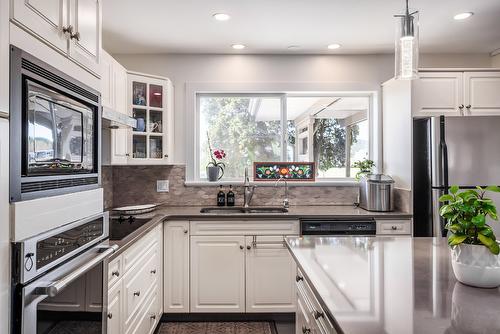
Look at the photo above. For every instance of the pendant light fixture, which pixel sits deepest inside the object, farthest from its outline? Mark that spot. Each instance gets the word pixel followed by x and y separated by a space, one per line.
pixel 406 48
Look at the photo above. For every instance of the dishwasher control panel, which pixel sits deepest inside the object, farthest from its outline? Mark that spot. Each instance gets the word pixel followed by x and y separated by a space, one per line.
pixel 335 226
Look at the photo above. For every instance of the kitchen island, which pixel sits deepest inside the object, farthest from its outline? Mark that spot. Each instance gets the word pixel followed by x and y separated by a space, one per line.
pixel 386 285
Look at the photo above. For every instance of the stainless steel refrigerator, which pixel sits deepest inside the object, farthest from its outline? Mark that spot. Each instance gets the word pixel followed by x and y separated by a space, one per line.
pixel 463 151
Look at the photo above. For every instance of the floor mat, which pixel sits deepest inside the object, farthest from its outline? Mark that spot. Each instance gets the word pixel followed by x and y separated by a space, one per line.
pixel 215 328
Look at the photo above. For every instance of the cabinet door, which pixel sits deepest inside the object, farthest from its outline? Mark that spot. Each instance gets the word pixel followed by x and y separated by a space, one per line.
pixel 270 274
pixel 94 290
pixel 107 81
pixel 85 42
pixel 119 146
pixel 176 265
pixel 44 18
pixel 217 274
pixel 437 93
pixel 120 88
pixel 482 93
pixel 114 309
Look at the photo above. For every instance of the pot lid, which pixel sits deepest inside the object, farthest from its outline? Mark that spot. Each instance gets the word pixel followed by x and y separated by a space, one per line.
pixel 379 178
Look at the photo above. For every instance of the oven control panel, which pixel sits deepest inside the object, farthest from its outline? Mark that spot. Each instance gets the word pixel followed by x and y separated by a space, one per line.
pixel 52 248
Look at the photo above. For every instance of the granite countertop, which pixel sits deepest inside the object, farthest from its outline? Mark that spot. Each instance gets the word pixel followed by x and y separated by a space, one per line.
pixel 294 212
pixel 393 285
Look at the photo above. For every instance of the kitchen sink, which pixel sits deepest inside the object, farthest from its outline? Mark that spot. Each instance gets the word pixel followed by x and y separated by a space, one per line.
pixel 236 210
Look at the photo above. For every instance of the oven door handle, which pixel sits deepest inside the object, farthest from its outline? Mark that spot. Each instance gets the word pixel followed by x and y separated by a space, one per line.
pixel 54 288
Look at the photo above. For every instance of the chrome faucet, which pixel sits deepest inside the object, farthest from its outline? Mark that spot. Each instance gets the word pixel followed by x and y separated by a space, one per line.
pixel 286 202
pixel 249 190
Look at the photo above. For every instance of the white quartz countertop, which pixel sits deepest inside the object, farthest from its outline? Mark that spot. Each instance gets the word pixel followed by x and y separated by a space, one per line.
pixel 393 285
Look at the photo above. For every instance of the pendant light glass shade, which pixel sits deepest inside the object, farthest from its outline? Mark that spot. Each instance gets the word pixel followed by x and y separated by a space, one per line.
pixel 406 46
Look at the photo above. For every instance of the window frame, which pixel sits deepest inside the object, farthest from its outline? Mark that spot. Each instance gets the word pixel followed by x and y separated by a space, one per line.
pixel 196 90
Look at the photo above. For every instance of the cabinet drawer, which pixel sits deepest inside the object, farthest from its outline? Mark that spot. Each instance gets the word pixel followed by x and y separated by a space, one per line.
pixel 131 255
pixel 394 226
pixel 138 282
pixel 115 270
pixel 148 317
pixel 245 227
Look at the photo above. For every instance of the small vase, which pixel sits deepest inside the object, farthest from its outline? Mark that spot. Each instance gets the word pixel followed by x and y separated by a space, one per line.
pixel 214 173
pixel 475 265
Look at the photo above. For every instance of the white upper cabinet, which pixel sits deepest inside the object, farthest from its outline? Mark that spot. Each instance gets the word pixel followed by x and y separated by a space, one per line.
pixel 47 19
pixel 85 39
pixel 4 60
pixel 437 93
pixel 482 93
pixel 73 27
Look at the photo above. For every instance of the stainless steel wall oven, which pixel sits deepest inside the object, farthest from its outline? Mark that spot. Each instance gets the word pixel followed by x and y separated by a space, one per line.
pixel 54 130
pixel 60 279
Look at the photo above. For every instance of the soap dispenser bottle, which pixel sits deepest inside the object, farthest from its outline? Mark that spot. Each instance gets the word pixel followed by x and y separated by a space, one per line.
pixel 221 197
pixel 230 196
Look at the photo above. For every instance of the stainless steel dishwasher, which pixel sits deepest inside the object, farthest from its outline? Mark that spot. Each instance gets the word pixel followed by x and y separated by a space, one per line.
pixel 338 226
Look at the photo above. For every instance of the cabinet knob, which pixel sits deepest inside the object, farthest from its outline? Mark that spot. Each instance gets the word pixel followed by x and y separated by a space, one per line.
pixel 115 273
pixel 241 247
pixel 299 278
pixel 318 314
pixel 186 231
pixel 137 293
pixel 153 317
pixel 127 154
pixel 394 228
pixel 249 247
pixel 110 315
pixel 76 36
pixel 468 106
pixel 68 30
pixel 166 155
pixel 153 271
pixel 306 330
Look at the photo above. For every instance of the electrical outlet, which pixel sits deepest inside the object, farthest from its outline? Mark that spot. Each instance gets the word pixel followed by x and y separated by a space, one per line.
pixel 162 186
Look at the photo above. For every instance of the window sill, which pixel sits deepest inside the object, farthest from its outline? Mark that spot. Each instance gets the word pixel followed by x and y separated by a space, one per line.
pixel 325 183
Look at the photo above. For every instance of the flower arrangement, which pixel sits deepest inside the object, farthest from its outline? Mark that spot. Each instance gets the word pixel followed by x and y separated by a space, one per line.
pixel 215 167
pixel 291 171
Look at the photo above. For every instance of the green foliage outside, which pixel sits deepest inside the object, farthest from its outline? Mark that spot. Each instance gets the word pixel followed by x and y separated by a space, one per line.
pixel 466 213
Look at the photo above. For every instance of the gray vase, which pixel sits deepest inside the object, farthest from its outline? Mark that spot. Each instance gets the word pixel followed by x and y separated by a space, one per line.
pixel 214 173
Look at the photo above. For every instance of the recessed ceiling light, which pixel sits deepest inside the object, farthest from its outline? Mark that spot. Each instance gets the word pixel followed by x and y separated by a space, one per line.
pixel 293 47
pixel 333 46
pixel 238 46
pixel 463 16
pixel 221 16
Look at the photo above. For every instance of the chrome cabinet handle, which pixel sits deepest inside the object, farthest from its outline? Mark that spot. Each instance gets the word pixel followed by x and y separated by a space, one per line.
pixel 461 108
pixel 306 330
pixel 153 271
pixel 137 293
pixel 76 36
pixel 317 315
pixel 116 273
pixel 299 278
pixel 68 30
pixel 110 315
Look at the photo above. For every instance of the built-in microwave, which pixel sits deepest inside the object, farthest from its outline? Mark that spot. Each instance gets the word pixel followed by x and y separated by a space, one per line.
pixel 54 130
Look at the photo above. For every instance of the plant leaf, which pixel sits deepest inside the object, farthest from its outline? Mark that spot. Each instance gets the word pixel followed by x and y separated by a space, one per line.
pixel 490 243
pixel 446 198
pixel 454 189
pixel 479 220
pixel 454 239
pixel 493 188
pixel 454 227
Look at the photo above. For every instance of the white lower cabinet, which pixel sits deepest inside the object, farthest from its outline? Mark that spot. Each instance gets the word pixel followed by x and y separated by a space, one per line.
pixel 176 267
pixel 217 274
pixel 270 273
pixel 135 279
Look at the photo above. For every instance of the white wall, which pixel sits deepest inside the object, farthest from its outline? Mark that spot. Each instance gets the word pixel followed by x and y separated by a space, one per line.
pixel 190 68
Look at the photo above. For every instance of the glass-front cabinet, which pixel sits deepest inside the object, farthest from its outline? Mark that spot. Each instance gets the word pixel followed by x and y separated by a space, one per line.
pixel 150 103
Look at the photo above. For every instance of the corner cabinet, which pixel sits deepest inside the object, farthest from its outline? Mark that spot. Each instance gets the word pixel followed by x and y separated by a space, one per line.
pixel 150 102
pixel 72 27
pixel 456 93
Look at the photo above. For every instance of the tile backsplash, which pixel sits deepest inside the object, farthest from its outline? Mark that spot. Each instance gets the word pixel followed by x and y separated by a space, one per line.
pixel 130 185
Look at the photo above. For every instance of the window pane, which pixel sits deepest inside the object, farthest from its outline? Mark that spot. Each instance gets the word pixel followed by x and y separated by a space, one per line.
pixel 331 131
pixel 248 129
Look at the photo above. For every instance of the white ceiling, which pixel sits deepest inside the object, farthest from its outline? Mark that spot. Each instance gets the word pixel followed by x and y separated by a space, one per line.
pixel 270 26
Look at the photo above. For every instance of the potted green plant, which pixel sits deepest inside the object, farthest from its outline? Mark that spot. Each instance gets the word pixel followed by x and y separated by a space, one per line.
pixel 474 247
pixel 365 167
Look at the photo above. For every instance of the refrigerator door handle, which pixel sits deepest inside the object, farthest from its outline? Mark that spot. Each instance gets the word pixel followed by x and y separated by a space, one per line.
pixel 439 222
pixel 443 148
